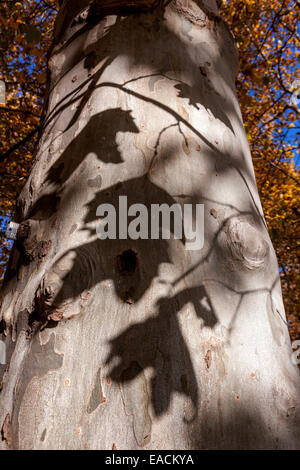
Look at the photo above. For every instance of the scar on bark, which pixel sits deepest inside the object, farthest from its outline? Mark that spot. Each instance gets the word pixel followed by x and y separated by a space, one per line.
pixel 97 396
pixel 28 244
pixel 43 435
pixel 207 359
pixel 127 262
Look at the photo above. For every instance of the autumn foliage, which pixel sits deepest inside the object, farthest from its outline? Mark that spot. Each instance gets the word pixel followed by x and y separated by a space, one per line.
pixel 267 40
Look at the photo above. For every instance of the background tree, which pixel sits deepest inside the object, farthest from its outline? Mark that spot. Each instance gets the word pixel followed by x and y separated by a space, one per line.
pixel 232 290
pixel 267 36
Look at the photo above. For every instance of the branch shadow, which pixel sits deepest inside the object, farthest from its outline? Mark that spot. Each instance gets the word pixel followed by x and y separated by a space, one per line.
pixel 104 255
pixel 158 343
pixel 114 43
pixel 132 265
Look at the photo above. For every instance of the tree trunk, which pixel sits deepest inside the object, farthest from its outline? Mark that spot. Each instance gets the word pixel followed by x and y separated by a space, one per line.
pixel 133 344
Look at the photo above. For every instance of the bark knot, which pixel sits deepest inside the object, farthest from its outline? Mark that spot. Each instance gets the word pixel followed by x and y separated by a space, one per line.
pixel 246 243
pixel 28 243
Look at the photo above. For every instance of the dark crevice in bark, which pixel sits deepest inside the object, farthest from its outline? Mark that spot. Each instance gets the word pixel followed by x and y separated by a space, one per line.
pixel 127 261
pixel 6 431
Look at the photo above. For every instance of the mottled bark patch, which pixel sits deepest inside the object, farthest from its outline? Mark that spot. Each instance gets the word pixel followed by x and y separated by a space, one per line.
pixel 136 402
pixel 275 321
pixel 95 182
pixel 29 244
pixel 97 397
pixel 72 229
pixel 41 359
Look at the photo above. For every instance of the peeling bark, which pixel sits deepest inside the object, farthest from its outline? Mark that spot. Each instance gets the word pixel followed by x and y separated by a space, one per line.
pixel 134 344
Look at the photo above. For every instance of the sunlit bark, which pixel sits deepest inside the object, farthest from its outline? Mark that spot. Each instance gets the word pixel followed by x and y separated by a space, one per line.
pixel 143 343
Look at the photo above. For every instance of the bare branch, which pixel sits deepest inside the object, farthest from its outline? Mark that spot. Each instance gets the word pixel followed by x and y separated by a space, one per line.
pixel 19 144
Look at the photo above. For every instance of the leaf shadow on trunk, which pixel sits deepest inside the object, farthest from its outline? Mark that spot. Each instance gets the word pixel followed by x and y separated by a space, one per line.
pixel 132 265
pixel 98 136
pixel 99 260
pixel 199 89
pixel 150 35
pixel 158 343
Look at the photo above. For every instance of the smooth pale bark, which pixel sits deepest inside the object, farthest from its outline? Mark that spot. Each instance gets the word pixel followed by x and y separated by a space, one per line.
pixel 133 344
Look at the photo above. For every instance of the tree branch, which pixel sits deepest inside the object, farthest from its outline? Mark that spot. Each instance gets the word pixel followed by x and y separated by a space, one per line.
pixel 19 144
pixel 22 111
